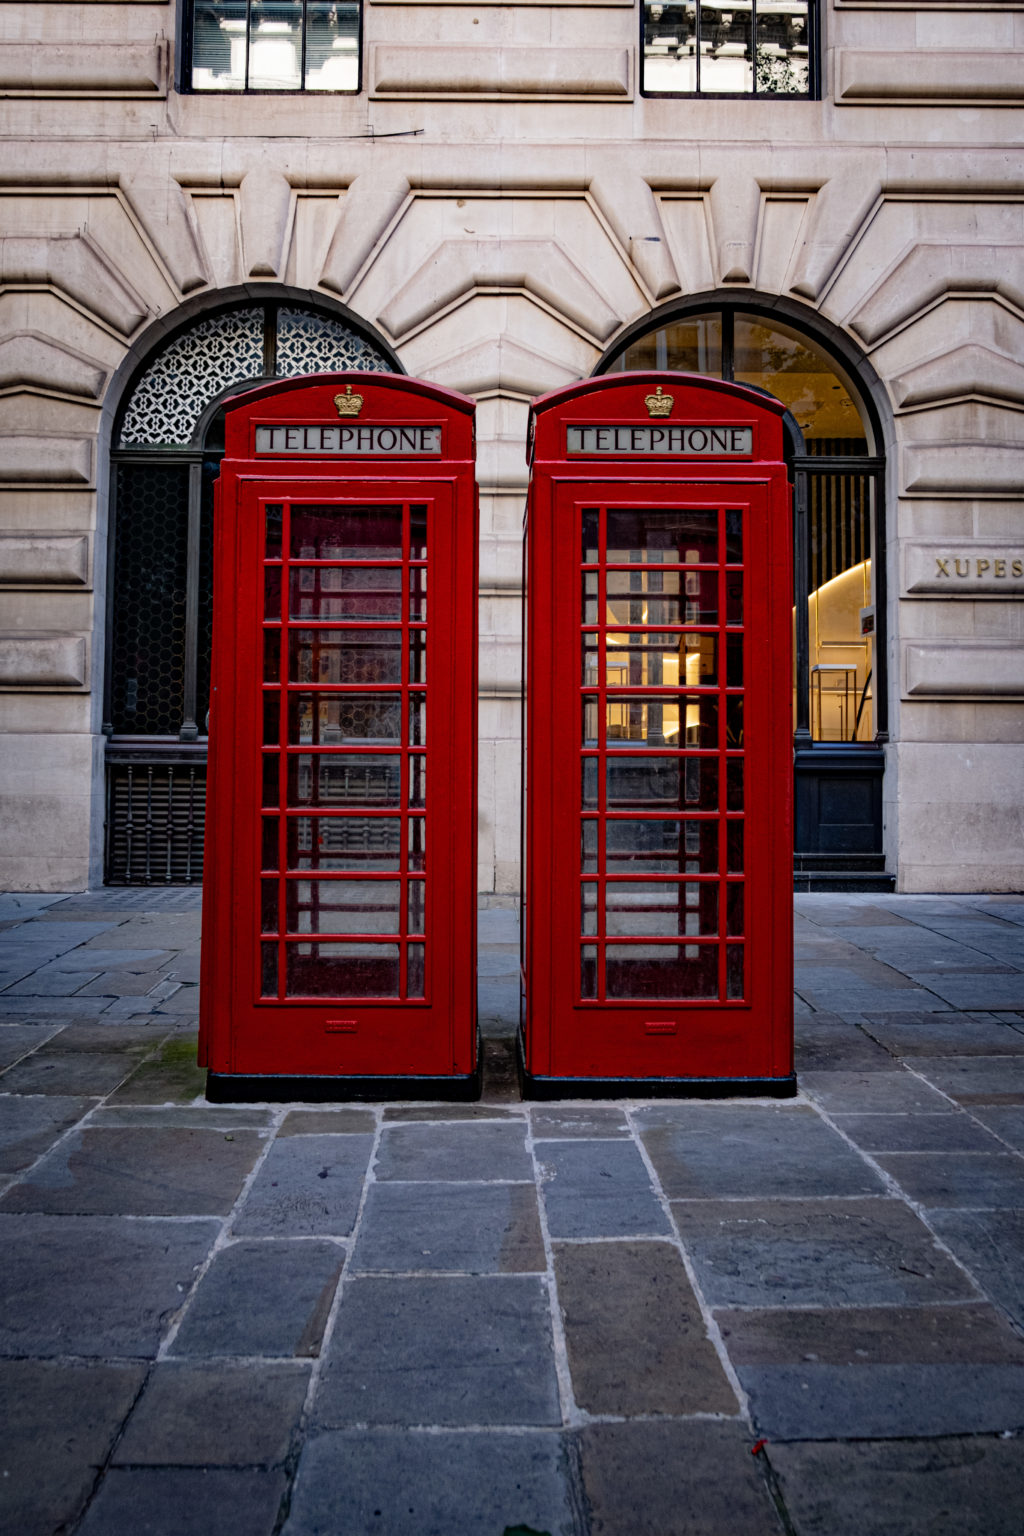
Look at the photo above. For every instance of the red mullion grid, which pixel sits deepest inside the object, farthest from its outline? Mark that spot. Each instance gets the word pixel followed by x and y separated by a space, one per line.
pixel 602 748
pixel 723 762
pixel 403 767
pixel 727 632
pixel 282 750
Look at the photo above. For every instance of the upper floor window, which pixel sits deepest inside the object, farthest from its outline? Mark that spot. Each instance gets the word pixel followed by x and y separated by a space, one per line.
pixel 273 45
pixel 729 48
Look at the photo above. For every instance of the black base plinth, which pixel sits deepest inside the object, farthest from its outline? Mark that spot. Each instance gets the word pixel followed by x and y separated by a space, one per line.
pixel 283 1088
pixel 547 1089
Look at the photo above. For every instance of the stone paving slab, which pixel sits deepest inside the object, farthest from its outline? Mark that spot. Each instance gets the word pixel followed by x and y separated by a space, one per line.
pixel 816 1253
pixel 196 1413
pixel 328 1122
pixel 976 1079
pixel 137 1171
pixel 454 1151
pixel 636 1340
pixel 16 1040
pixel 674 1478
pixel 991 1245
pixel 598 1189
pixel 972 1486
pixel 707 1151
pixel 448 1228
pixel 263 1298
pixel 67 1073
pixel 957 1132
pixel 95 1286
pixel 993 991
pixel 306 1188
pixel 178 1501
pixel 946 1034
pixel 898 1092
pixel 461 1351
pixel 951 1179
pixel 974 1334
pixel 837 1046
pixel 564 1122
pixel 1004 1121
pixel 59 1423
pixel 28 1126
pixel 451 1484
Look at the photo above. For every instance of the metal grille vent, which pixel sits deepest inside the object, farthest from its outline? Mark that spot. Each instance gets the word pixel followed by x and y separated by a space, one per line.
pixel 188 373
pixel 155 818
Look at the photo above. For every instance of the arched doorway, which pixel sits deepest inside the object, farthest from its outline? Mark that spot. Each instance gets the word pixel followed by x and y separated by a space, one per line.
pixel 166 446
pixel 839 694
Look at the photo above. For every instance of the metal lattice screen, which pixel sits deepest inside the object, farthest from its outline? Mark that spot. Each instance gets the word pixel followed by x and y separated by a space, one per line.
pixel 155 817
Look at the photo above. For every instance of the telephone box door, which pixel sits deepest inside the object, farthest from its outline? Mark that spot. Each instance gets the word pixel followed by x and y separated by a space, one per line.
pixel 659 856
pixel 340 817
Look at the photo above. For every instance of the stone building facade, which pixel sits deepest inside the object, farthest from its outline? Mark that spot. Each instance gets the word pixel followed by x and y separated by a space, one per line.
pixel 503 199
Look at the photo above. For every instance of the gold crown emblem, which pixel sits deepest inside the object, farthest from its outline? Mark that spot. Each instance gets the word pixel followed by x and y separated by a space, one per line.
pixel 348 404
pixel 659 404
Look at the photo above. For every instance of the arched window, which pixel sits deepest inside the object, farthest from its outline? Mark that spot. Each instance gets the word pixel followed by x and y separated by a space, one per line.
pixel 839 696
pixel 168 442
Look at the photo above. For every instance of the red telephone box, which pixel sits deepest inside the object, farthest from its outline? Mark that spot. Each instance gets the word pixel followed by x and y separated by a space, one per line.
pixel 658 889
pixel 339 909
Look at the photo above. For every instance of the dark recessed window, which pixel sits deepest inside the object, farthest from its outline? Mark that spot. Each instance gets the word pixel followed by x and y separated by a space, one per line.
pixel 762 48
pixel 273 45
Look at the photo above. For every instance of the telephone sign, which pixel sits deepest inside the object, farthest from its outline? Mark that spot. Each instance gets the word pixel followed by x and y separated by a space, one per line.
pixel 658 867
pixel 339 910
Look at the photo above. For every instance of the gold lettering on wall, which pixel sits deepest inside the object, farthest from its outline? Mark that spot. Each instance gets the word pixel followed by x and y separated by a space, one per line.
pixel 998 567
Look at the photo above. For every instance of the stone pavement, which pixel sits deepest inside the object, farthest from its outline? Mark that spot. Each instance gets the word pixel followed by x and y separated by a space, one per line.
pixel 620 1319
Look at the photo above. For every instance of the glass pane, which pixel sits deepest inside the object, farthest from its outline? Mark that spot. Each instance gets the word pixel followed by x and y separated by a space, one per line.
pixel 662 536
pixel 346 533
pixel 271 719
pixel 275 45
pixel 343 906
pixel 218 52
pixel 345 656
pixel 662 597
pixel 660 909
pixel 734 662
pixel 841 612
pixel 589 553
pixel 588 908
pixel 417 533
pixel 781 64
pixel 590 589
pixel 734 721
pixel 734 597
pixel 269 843
pixel 345 592
pixel 323 719
pixel 417 906
pixel 418 594
pixel 271 779
pixel 417 720
pixel 734 909
pixel 332 45
pixel 590 783
pixel 588 848
pixel 725 54
pixel 647 971
pixel 341 970
pixel 588 970
pixel 734 784
pixel 734 538
pixel 655 659
pixel 734 847
pixel 670 721
pixel 417 780
pixel 271 655
pixel 268 970
pixel 272 592
pixel 417 656
pixel 365 778
pixel 691 346
pixel 268 906
pixel 803 376
pixel 273 519
pixel 344 842
pixel 734 970
pixel 669 57
pixel 415 954
pixel 417 842
pixel 662 783
pixel 662 847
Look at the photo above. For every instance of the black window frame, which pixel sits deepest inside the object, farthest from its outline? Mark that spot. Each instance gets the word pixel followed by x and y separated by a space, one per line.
pixel 186 38
pixel 814 72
